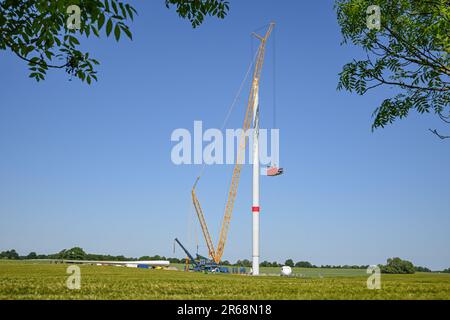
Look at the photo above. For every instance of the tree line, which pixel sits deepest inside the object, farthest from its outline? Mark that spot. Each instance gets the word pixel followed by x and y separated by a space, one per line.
pixel 75 253
pixel 399 266
pixel 393 265
pixel 78 253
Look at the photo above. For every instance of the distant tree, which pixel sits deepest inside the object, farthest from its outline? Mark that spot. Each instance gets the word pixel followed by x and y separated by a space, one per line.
pixel 32 255
pixel 122 258
pixel 143 258
pixel 275 264
pixel 446 270
pixel 421 269
pixel 265 264
pixel 75 253
pixel 289 263
pixel 303 264
pixel 397 266
pixel 50 256
pixel 246 263
pixel 176 260
pixel 226 263
pixel 9 254
pixel 243 263
pixel 364 266
pixel 13 255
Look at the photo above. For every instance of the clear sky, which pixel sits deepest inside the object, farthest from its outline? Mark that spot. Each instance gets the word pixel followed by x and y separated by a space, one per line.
pixel 90 166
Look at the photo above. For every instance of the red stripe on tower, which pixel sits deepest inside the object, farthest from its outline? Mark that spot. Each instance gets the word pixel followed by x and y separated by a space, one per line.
pixel 255 209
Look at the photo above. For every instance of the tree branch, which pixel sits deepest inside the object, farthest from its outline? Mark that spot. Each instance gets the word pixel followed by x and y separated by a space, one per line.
pixel 35 62
pixel 419 54
pixel 446 119
pixel 409 86
pixel 439 135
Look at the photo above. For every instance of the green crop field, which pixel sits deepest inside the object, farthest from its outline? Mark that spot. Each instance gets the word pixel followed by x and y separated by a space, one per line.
pixel 26 280
pixel 304 272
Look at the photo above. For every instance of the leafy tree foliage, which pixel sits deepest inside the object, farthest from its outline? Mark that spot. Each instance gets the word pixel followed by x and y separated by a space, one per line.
pixel 32 255
pixel 303 264
pixel 289 263
pixel 75 253
pixel 265 264
pixel 410 52
pixel 397 266
pixel 196 10
pixel 37 31
pixel 244 263
pixel 446 270
pixel 9 254
pixel 269 264
pixel 422 269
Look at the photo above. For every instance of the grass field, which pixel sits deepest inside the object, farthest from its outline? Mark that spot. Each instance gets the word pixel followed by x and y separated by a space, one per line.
pixel 19 280
pixel 304 272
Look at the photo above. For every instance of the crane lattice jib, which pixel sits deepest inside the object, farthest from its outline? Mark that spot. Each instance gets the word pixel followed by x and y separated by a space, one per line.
pixel 201 218
pixel 216 255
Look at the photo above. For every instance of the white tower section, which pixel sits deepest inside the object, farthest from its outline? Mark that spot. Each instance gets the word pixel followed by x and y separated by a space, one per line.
pixel 255 203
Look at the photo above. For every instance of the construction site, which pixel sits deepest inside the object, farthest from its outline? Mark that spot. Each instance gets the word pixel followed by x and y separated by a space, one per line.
pixel 250 128
pixel 214 149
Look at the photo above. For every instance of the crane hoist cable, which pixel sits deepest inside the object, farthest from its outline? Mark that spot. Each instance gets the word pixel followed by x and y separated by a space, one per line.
pixel 216 253
pixel 231 108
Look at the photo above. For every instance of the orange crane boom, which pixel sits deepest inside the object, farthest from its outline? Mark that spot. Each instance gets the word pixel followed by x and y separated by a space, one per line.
pixel 216 254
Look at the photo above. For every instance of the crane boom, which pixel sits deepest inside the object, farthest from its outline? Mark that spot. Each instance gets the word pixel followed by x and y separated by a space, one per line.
pixel 201 218
pixel 187 253
pixel 216 255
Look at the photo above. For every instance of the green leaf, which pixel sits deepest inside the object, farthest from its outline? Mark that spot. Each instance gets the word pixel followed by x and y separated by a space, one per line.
pixel 117 32
pixel 95 31
pixel 127 32
pixel 109 26
pixel 130 12
pixel 114 5
pixel 101 21
pixel 27 50
pixel 122 8
pixel 49 54
pixel 74 40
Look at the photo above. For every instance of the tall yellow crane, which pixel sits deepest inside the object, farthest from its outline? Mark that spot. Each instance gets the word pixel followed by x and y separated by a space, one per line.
pixel 216 254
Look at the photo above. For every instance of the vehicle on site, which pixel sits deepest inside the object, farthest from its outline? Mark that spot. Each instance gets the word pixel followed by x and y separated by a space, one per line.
pixel 201 263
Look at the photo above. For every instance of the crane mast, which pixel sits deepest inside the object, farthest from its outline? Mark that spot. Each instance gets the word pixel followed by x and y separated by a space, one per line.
pixel 251 117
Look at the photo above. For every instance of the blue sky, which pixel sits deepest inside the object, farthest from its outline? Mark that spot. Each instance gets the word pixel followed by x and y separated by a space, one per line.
pixel 90 166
